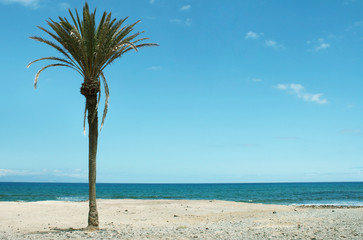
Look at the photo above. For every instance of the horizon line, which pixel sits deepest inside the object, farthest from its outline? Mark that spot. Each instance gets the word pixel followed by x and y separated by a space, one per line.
pixel 157 183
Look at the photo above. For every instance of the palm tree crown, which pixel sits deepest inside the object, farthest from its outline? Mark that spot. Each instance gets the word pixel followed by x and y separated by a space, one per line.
pixel 88 48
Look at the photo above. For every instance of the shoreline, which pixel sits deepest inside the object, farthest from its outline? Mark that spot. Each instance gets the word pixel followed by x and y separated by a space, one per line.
pixel 316 206
pixel 178 219
pixel 322 206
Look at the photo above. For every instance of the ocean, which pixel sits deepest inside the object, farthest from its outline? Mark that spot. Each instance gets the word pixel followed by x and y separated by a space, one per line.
pixel 332 193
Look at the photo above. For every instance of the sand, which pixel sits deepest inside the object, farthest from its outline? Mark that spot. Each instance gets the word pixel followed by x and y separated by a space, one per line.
pixel 177 219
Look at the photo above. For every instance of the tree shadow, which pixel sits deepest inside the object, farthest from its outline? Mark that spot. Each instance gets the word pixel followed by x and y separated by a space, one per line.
pixel 70 229
pixel 66 230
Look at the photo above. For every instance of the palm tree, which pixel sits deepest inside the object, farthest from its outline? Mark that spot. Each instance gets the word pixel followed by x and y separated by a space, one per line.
pixel 88 49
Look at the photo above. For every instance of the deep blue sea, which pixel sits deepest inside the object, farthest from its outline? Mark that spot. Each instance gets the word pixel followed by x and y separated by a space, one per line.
pixel 343 193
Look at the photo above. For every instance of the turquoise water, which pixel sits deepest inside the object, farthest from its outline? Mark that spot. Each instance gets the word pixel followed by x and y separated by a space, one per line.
pixel 344 193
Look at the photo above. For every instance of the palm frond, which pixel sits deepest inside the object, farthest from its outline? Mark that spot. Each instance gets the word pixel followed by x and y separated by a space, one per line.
pixel 71 44
pixel 48 66
pixel 84 118
pixel 71 65
pixel 89 47
pixel 98 101
pixel 54 45
pixel 107 93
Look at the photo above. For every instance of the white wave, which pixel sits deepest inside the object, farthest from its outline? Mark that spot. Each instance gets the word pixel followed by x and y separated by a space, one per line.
pixel 332 203
pixel 71 199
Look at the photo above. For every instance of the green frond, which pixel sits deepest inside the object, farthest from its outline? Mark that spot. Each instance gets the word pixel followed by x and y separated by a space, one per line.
pixel 71 65
pixel 79 22
pixel 42 69
pixel 131 37
pixel 100 26
pixel 89 47
pixel 144 45
pixel 126 44
pixel 72 46
pixel 54 45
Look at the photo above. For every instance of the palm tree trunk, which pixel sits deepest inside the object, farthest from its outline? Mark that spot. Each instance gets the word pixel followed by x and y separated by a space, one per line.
pixel 91 102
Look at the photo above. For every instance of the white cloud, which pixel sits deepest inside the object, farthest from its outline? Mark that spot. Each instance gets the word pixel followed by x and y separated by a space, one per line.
pixel 176 20
pixel 296 87
pixel 322 46
pixel 185 8
pixel 152 1
pixel 25 3
pixel 252 35
pixel 256 79
pixel 155 68
pixel 187 22
pixel 356 24
pixel 350 131
pixel 273 44
pixel 270 43
pixel 76 173
pixel 314 98
pixel 267 42
pixel 299 91
pixel 319 44
pixel 64 6
pixel 73 173
pixel 8 172
pixel 350 106
pixel 282 86
pixel 346 2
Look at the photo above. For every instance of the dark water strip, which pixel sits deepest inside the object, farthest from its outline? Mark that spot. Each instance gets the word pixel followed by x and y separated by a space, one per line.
pixel 338 193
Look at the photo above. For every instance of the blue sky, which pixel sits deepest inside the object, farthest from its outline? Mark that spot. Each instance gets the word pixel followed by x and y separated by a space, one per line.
pixel 237 91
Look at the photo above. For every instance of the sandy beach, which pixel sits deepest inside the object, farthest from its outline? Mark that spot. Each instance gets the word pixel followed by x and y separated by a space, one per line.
pixel 178 219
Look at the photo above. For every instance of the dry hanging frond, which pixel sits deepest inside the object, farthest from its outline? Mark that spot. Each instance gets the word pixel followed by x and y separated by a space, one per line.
pixel 88 47
pixel 107 93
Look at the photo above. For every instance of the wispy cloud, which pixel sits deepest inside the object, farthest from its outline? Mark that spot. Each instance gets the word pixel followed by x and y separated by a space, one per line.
pixel 152 1
pixel 256 79
pixel 8 172
pixel 25 3
pixel 267 42
pixel 350 131
pixel 73 173
pixel 64 6
pixel 350 105
pixel 76 173
pixel 248 145
pixel 355 28
pixel 186 22
pixel 236 145
pixel 286 138
pixel 322 46
pixel 357 24
pixel 270 43
pixel 154 68
pixel 299 91
pixel 319 45
pixel 273 44
pixel 252 35
pixel 347 2
pixel 185 8
pixel 358 168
